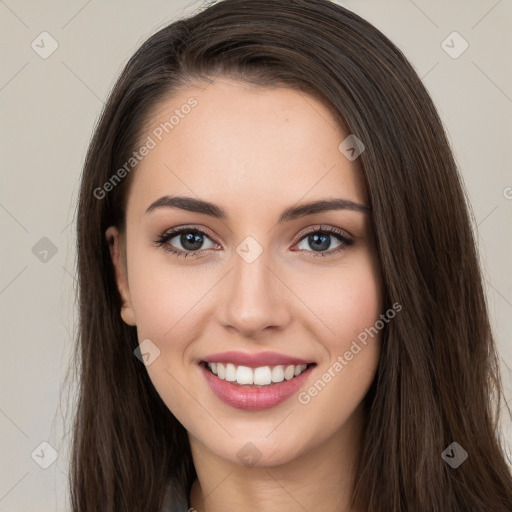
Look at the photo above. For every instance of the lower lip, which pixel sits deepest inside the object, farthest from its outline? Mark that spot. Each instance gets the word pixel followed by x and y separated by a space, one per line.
pixel 254 398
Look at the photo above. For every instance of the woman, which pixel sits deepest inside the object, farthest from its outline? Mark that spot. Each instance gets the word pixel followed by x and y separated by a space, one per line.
pixel 280 301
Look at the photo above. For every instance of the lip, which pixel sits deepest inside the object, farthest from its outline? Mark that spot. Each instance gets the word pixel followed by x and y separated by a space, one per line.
pixel 254 360
pixel 254 398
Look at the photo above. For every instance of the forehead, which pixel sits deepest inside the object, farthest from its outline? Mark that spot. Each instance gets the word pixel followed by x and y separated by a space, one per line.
pixel 228 140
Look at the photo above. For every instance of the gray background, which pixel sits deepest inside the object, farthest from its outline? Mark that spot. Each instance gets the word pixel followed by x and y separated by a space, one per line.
pixel 49 107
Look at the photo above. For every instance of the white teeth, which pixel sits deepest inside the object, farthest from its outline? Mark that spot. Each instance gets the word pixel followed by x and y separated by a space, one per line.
pixel 289 372
pixel 261 376
pixel 230 372
pixel 244 375
pixel 277 374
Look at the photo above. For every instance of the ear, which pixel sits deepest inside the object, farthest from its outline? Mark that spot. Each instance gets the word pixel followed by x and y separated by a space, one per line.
pixel 117 252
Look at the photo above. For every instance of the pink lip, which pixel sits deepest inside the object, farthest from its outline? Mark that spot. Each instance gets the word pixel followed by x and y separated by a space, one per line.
pixel 254 360
pixel 254 398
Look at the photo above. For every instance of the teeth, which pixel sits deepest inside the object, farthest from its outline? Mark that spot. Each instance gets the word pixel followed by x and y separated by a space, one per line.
pixel 230 372
pixel 244 375
pixel 261 376
pixel 277 374
pixel 289 372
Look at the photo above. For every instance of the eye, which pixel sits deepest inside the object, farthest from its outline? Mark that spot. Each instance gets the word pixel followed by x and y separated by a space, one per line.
pixel 320 240
pixel 191 241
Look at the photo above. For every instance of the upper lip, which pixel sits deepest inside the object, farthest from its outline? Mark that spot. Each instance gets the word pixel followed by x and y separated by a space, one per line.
pixel 254 360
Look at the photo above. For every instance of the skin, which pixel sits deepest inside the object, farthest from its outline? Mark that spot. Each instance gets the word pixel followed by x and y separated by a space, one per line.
pixel 254 152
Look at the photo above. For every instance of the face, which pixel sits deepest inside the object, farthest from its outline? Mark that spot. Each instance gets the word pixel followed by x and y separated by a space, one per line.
pixel 244 286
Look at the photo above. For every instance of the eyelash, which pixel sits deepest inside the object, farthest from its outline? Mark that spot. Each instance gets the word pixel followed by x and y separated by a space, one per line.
pixel 163 239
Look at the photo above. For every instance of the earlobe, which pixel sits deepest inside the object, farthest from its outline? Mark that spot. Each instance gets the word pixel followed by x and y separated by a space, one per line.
pixel 116 254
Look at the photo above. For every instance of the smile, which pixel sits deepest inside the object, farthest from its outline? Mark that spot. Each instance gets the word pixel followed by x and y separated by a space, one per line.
pixel 260 376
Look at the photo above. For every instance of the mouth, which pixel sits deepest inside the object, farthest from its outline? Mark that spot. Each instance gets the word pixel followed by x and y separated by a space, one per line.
pixel 255 388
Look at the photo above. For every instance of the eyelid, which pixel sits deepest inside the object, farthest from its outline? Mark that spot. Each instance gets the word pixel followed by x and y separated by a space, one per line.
pixel 325 228
pixel 177 230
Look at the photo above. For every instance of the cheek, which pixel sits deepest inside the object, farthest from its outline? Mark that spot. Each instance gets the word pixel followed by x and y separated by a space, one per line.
pixel 165 297
pixel 167 300
pixel 349 302
pixel 344 300
pixel 358 306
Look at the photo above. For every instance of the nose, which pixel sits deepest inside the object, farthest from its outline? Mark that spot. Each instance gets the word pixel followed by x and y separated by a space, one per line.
pixel 256 300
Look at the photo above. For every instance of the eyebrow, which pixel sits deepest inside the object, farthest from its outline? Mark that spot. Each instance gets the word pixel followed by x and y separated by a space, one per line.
pixel 192 204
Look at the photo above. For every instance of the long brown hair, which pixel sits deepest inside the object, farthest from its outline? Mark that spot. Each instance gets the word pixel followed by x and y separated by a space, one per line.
pixel 437 380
